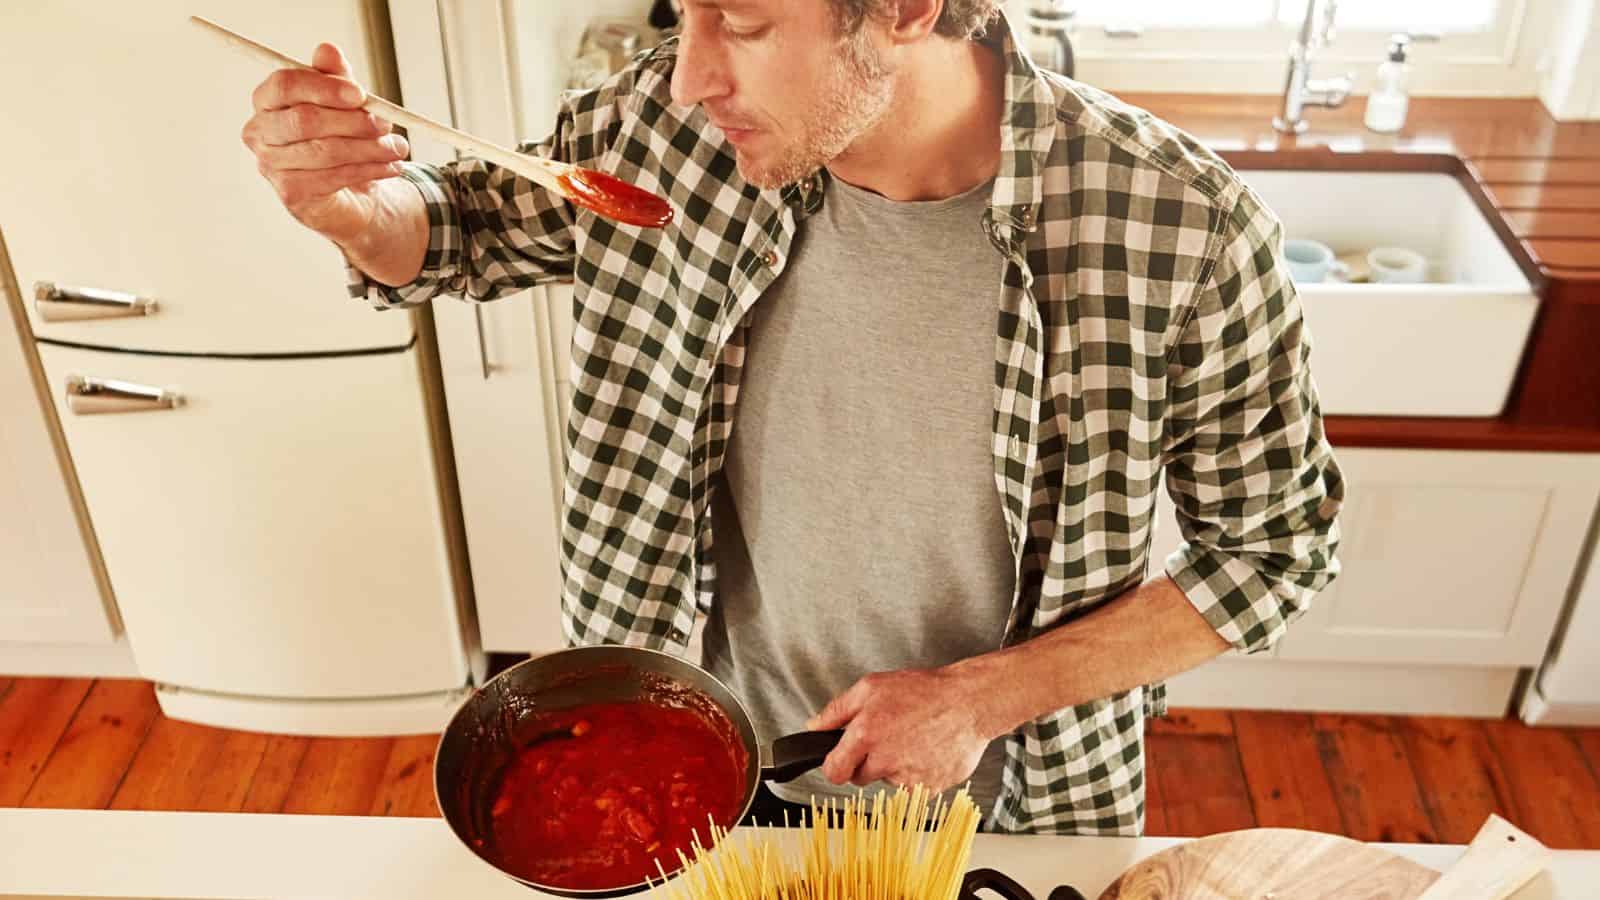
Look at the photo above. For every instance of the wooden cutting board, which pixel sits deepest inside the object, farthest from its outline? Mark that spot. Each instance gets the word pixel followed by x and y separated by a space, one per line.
pixel 1272 864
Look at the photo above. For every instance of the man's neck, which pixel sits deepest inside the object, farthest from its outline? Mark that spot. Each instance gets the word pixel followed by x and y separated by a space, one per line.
pixel 941 137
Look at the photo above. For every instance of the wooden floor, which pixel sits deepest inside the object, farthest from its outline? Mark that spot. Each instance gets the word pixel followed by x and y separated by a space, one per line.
pixel 94 744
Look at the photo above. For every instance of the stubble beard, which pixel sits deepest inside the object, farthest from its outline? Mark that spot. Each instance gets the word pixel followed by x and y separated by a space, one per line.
pixel 857 96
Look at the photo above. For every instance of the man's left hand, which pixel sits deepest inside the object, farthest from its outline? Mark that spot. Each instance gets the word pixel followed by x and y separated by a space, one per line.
pixel 915 726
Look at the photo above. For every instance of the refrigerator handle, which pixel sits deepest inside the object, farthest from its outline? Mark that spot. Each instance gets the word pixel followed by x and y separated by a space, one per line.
pixel 88 395
pixel 60 303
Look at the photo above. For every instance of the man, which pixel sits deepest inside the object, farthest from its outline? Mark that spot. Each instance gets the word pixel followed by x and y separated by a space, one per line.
pixel 890 399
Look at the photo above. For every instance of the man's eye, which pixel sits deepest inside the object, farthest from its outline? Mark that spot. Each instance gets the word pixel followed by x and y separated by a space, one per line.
pixel 742 32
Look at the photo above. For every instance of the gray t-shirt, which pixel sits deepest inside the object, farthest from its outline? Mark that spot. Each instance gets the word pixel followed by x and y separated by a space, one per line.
pixel 858 525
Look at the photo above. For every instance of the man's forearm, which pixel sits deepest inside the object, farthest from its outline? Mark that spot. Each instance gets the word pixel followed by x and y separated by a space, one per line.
pixel 392 248
pixel 1145 635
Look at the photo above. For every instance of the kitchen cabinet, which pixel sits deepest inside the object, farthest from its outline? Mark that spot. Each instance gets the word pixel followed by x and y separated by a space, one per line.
pixel 52 591
pixel 1456 566
pixel 1566 689
pixel 497 70
pixel 561 321
pixel 494 70
pixel 1456 558
pixel 504 432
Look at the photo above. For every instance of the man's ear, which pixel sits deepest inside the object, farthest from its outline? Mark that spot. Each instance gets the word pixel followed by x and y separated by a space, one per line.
pixel 914 20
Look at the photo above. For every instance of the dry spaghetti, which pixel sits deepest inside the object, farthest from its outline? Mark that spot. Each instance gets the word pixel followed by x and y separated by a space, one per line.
pixel 898 847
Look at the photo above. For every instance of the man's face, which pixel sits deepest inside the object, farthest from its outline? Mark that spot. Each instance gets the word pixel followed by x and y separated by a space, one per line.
pixel 779 79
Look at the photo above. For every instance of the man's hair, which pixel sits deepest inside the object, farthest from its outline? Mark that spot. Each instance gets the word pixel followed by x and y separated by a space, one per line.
pixel 960 19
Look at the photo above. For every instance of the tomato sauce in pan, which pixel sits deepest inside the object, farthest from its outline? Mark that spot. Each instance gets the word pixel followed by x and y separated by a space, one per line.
pixel 605 790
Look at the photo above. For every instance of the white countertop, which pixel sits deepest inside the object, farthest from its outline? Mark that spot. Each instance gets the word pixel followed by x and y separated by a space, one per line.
pixel 96 853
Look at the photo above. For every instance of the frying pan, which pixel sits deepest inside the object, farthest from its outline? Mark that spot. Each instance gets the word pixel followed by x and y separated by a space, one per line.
pixel 505 714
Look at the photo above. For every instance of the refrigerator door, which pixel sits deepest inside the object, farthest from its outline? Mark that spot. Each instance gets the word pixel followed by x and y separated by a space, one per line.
pixel 270 528
pixel 125 181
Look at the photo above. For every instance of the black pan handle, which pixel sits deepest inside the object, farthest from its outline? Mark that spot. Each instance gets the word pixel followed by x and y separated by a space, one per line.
pixel 794 755
pixel 990 880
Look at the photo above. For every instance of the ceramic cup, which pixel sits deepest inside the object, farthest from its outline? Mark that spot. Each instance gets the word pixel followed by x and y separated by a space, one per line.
pixel 1308 261
pixel 1397 265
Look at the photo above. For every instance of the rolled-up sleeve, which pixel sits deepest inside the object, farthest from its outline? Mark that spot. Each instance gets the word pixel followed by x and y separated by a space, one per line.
pixel 1249 469
pixel 491 231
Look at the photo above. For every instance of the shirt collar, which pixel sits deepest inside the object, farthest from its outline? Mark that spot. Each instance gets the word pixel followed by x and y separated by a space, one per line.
pixel 1027 130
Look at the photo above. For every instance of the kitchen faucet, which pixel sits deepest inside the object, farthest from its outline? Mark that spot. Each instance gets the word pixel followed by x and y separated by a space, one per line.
pixel 1300 89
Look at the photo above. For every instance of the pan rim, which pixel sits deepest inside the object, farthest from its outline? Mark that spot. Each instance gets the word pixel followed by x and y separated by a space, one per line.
pixel 742 724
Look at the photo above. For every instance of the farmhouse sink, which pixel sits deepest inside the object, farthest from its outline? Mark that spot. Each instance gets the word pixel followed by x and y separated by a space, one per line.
pixel 1448 346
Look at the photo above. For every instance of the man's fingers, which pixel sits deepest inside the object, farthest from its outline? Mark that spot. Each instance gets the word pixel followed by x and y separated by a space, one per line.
pixel 305 121
pixel 330 152
pixel 841 709
pixel 329 58
pixel 298 188
pixel 868 772
pixel 288 87
pixel 841 765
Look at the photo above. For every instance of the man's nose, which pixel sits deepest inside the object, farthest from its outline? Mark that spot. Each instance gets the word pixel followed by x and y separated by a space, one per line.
pixel 700 74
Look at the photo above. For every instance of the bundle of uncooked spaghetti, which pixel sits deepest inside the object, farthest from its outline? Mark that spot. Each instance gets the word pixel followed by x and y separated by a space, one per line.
pixel 898 847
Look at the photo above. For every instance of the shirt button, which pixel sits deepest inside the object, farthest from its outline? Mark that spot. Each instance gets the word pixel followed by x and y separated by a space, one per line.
pixel 1016 447
pixel 769 259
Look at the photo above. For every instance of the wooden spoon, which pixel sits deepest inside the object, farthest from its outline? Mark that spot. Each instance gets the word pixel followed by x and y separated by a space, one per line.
pixel 609 196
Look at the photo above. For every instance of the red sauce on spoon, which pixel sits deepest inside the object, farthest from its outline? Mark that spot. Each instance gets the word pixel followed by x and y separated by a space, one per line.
pixel 616 199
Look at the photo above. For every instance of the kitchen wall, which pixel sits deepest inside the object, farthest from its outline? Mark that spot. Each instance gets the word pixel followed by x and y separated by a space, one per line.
pixel 1570 83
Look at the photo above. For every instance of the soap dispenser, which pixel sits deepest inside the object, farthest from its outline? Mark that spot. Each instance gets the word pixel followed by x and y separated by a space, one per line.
pixel 1386 105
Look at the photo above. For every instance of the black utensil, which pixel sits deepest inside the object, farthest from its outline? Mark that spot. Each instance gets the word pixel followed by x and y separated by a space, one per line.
pixel 1002 884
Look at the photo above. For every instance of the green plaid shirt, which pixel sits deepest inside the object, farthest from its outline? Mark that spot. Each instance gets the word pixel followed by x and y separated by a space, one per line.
pixel 1144 324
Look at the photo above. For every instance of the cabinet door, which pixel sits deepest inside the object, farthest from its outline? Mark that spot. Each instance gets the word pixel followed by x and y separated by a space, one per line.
pixel 123 169
pixel 277 534
pixel 1567 680
pixel 502 429
pixel 497 373
pixel 1452 557
pixel 51 593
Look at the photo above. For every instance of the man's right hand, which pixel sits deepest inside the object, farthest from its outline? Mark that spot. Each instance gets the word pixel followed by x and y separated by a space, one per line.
pixel 324 155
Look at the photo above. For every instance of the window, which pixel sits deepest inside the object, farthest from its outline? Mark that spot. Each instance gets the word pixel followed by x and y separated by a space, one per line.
pixel 1443 16
pixel 1463 46
pixel 1174 13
